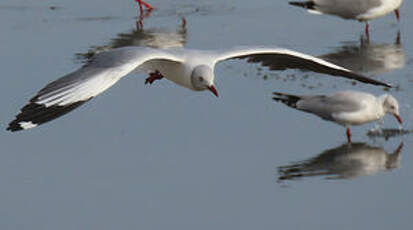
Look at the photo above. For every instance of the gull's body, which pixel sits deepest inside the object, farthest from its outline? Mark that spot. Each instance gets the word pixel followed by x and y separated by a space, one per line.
pixel 192 69
pixel 361 10
pixel 346 108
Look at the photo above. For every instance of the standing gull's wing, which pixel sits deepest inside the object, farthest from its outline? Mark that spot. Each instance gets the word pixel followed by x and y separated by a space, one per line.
pixel 69 92
pixel 324 106
pixel 281 59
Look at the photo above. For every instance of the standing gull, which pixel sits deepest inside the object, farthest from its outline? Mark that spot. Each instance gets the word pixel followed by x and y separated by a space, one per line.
pixel 345 107
pixel 192 69
pixel 361 10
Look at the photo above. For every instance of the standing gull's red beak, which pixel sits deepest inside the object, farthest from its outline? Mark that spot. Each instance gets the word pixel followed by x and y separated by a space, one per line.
pixel 213 90
pixel 399 119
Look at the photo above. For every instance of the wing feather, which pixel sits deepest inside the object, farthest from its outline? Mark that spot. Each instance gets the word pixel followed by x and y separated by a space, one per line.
pixel 69 92
pixel 281 59
pixel 326 106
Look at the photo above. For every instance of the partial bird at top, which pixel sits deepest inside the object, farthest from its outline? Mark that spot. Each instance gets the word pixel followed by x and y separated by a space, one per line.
pixel 152 37
pixel 361 10
pixel 192 69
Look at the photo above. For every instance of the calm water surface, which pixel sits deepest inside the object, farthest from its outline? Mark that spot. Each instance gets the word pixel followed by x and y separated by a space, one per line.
pixel 163 157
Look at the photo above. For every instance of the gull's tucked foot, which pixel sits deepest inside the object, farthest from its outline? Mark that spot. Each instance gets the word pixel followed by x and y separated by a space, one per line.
pixel 153 77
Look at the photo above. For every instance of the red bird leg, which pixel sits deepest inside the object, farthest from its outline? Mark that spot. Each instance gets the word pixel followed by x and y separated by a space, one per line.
pixel 348 135
pixel 140 2
pixel 153 77
pixel 397 14
pixel 367 31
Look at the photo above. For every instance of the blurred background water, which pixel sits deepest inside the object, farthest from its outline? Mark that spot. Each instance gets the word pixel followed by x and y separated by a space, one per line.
pixel 161 156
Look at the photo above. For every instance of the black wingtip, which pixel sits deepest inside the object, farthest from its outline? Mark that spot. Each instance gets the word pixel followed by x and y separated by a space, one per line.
pixel 307 5
pixel 287 99
pixel 34 114
pixel 14 126
pixel 361 78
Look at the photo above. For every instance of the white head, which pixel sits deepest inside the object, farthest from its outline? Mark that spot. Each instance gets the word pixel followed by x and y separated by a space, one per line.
pixel 391 106
pixel 202 78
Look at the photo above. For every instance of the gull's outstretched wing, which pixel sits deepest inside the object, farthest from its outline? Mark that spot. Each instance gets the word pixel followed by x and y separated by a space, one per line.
pixel 281 59
pixel 67 93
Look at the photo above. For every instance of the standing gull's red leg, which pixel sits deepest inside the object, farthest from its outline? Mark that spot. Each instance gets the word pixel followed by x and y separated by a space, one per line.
pixel 348 135
pixel 397 14
pixel 367 31
pixel 147 5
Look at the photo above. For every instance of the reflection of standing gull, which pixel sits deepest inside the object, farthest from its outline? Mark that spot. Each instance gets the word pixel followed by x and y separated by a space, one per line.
pixel 361 10
pixel 344 162
pixel 155 38
pixel 369 57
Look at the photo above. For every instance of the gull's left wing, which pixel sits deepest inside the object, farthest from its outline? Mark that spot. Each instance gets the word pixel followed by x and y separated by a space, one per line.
pixel 69 92
pixel 281 59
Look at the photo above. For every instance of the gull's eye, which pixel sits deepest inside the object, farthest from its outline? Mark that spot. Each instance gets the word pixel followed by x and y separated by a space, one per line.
pixel 201 79
pixel 392 107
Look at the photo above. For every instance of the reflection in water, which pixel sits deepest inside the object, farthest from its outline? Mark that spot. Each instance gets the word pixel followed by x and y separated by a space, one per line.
pixel 343 162
pixel 369 57
pixel 387 133
pixel 156 38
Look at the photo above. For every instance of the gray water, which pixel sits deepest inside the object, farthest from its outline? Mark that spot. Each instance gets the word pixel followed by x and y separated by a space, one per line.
pixel 164 157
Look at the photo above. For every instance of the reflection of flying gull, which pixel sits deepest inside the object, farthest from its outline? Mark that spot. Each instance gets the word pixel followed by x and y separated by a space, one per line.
pixel 368 57
pixel 361 10
pixel 192 69
pixel 345 108
pixel 344 162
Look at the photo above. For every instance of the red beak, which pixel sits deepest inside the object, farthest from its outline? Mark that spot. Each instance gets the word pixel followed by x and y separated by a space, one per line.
pixel 213 90
pixel 399 119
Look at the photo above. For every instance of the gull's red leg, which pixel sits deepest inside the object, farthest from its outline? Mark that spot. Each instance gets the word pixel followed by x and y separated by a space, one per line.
pixel 348 135
pixel 153 77
pixel 147 5
pixel 397 14
pixel 367 31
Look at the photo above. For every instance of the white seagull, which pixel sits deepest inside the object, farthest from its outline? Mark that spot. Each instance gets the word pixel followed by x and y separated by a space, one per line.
pixel 361 10
pixel 345 107
pixel 192 69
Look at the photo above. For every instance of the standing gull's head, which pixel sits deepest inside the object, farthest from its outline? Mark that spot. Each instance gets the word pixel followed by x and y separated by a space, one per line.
pixel 202 78
pixel 391 106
